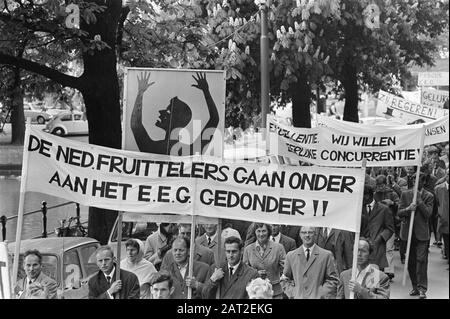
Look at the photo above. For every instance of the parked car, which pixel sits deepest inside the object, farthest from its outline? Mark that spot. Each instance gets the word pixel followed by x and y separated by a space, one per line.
pixel 68 123
pixel 36 115
pixel 68 260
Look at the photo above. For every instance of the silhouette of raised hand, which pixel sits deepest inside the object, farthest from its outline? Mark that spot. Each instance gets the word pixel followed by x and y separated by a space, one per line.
pixel 143 82
pixel 202 84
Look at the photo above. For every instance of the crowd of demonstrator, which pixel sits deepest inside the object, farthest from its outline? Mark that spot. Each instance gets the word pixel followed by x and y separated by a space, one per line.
pixel 274 261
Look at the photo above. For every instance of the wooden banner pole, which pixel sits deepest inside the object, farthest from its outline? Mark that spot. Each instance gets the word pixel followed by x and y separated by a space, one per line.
pixel 358 224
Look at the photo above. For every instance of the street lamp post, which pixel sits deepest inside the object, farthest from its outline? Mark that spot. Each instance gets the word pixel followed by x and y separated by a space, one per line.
pixel 263 5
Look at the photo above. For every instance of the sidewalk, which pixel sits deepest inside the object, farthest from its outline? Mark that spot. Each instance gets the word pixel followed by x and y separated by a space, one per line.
pixel 10 155
pixel 438 277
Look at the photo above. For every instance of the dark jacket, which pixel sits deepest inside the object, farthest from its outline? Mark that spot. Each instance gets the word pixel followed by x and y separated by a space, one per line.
pixel 130 286
pixel 288 243
pixel 340 243
pixel 379 228
pixel 423 212
pixel 230 288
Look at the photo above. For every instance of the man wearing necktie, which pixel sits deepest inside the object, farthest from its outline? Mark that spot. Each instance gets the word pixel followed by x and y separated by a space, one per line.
pixel 311 268
pixel 104 285
pixel 340 243
pixel 287 242
pixel 377 224
pixel 418 254
pixel 230 284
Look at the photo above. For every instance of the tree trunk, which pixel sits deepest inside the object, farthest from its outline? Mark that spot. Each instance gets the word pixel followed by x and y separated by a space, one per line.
pixel 17 116
pixel 301 99
pixel 102 101
pixel 350 83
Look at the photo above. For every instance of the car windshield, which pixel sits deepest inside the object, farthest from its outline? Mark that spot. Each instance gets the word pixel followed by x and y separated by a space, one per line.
pixel 139 230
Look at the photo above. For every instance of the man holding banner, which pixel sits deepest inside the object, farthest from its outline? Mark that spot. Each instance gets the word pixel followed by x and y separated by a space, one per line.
pixel 379 226
pixel 418 259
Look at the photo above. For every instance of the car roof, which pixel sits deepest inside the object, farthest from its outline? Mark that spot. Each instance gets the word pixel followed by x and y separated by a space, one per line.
pixel 51 245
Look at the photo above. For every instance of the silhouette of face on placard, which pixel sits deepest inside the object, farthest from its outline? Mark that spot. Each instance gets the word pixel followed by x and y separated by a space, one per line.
pixel 177 115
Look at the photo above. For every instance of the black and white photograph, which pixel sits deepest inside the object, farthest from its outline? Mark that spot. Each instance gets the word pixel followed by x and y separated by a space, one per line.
pixel 215 152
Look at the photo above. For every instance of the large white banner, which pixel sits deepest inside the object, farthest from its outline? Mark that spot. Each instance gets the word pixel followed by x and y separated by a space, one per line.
pixel 347 146
pixel 436 131
pixel 389 105
pixel 433 97
pixel 174 112
pixel 5 282
pixel 207 186
pixel 432 79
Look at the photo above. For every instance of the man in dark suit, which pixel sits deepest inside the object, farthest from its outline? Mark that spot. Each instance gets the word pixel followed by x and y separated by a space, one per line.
pixel 179 270
pixel 340 243
pixel 287 242
pixel 387 196
pixel 104 286
pixel 233 275
pixel 418 255
pixel 209 240
pixel 378 226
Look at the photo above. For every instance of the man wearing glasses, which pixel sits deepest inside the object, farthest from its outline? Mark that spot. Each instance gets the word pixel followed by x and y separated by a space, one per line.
pixel 311 268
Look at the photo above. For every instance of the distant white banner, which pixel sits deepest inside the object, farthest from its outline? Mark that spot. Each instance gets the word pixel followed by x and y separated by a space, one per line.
pixel 207 186
pixel 389 105
pixel 432 97
pixel 435 131
pixel 432 79
pixel 347 146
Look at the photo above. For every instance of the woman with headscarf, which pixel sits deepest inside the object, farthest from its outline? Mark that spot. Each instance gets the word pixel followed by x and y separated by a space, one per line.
pixel 141 267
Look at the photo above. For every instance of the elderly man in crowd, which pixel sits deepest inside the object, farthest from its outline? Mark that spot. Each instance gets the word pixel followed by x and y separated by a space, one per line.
pixel 179 270
pixel 311 268
pixel 201 253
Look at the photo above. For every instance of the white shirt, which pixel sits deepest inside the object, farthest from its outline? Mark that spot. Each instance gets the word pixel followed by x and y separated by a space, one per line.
pixel 29 282
pixel 212 237
pixel 277 238
pixel 234 267
pixel 446 186
pixel 371 206
pixel 183 269
pixel 310 250
pixel 329 229
pixel 111 275
pixel 360 276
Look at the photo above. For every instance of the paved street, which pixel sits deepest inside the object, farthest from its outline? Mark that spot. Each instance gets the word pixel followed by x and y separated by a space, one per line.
pixel 438 277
